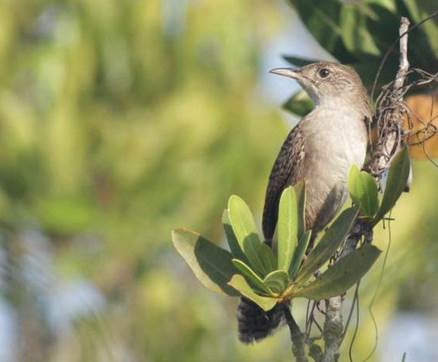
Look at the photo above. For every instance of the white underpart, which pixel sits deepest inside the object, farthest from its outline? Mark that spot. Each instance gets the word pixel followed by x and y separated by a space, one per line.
pixel 335 139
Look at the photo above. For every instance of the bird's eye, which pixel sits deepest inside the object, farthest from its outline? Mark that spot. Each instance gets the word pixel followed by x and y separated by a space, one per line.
pixel 324 72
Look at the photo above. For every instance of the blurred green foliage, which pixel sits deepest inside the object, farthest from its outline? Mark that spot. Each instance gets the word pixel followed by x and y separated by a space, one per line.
pixel 120 120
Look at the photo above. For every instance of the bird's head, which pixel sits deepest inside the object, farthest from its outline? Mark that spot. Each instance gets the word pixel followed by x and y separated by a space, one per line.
pixel 326 81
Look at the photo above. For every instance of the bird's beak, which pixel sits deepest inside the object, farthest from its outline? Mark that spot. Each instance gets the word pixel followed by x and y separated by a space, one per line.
pixel 286 72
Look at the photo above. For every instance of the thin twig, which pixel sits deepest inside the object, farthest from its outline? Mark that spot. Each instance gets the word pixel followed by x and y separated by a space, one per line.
pixel 390 111
pixel 392 47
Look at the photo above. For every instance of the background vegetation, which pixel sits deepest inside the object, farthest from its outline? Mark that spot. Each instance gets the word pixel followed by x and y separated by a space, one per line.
pixel 120 120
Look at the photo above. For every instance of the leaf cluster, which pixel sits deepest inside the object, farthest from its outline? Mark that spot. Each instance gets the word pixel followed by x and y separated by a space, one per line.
pixel 270 276
pixel 359 33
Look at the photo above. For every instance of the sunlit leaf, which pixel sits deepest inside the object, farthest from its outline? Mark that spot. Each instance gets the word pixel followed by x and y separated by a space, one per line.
pixel 287 228
pixel 330 241
pixel 239 283
pixel 337 279
pixel 210 264
pixel 396 182
pixel 299 253
pixel 277 281
pixel 231 238
pixel 251 276
pixel 363 191
pixel 246 233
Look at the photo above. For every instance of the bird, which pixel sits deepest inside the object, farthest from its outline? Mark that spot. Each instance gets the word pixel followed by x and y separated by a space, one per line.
pixel 319 150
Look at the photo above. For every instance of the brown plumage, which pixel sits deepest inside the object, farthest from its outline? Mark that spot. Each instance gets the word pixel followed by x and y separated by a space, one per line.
pixel 319 151
pixel 287 170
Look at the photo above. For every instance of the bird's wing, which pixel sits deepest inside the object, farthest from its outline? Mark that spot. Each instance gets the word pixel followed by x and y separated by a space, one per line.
pixel 287 170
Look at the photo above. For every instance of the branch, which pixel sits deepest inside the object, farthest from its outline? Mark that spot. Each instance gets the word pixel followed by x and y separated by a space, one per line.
pixel 404 63
pixel 388 118
pixel 389 113
pixel 296 336
pixel 333 329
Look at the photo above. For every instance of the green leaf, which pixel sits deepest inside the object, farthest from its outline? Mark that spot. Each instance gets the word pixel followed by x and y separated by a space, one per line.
pixel 299 253
pixel 277 281
pixel 210 264
pixel 300 191
pixel 298 61
pixel 299 104
pixel 239 283
pixel 421 9
pixel 355 34
pixel 363 191
pixel 358 32
pixel 267 257
pixel 396 182
pixel 337 279
pixel 367 69
pixel 322 19
pixel 251 276
pixel 245 230
pixel 287 228
pixel 231 238
pixel 330 241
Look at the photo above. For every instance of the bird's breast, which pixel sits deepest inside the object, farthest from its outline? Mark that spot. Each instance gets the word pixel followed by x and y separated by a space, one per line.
pixel 334 141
